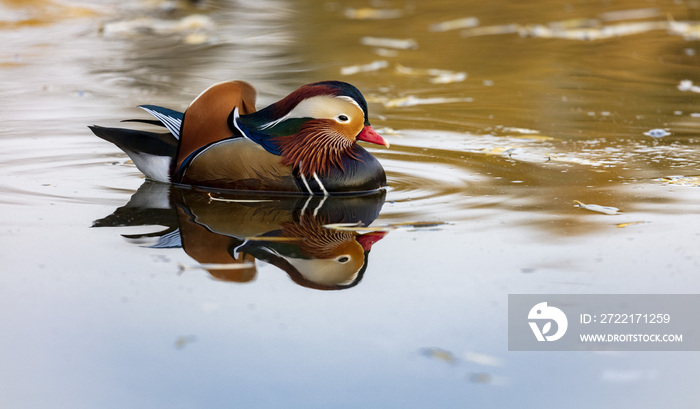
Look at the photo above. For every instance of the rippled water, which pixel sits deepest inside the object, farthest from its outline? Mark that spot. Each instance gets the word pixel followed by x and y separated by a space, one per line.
pixel 500 127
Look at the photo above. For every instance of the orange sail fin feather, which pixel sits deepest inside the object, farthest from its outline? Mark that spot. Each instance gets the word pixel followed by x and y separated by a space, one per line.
pixel 206 118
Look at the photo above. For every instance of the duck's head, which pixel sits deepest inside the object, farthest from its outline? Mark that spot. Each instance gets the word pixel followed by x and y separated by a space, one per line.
pixel 313 127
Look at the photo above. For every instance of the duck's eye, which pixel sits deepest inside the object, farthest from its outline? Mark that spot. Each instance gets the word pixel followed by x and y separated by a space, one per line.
pixel 343 259
pixel 342 118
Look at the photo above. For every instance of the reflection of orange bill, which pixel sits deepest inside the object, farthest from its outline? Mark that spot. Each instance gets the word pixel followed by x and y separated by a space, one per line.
pixel 368 239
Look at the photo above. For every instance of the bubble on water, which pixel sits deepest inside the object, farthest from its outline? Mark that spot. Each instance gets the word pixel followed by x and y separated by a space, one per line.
pixel 687 85
pixel 657 133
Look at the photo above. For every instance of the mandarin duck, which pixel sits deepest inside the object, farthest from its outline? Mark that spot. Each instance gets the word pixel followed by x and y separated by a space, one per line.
pixel 305 143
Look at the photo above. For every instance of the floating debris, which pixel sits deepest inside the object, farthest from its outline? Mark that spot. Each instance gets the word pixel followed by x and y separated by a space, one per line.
pixel 597 208
pixel 385 52
pixel 574 23
pixel 480 377
pixel 491 30
pixel 693 181
pixel 500 150
pixel 534 137
pixel 399 44
pixel 576 160
pixel 439 354
pixel 576 29
pixel 519 133
pixel 438 76
pixel 657 133
pixel 368 13
pixel 373 66
pixel 599 33
pixel 449 77
pixel 467 22
pixel 182 341
pixel 403 70
pixel 637 14
pixel 413 100
pixel 525 131
pixel 689 30
pixel 623 225
pixel 687 85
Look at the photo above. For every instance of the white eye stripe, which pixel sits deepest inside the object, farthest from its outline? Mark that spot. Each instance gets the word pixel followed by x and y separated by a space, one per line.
pixel 320 107
pixel 346 98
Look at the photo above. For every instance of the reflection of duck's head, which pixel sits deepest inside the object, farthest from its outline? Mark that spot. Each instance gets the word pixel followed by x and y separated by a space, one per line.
pixel 332 257
pixel 339 270
pixel 342 270
pixel 315 256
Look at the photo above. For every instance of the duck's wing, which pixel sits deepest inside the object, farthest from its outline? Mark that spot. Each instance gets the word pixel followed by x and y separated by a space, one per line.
pixel 239 164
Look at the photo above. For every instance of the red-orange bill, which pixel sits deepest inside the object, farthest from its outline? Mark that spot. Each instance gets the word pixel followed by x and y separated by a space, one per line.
pixel 370 135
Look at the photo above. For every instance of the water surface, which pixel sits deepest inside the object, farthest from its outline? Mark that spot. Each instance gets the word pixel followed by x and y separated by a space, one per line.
pixel 502 117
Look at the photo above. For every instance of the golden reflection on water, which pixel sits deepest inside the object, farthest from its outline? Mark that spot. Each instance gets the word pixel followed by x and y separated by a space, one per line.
pixel 553 105
pixel 523 107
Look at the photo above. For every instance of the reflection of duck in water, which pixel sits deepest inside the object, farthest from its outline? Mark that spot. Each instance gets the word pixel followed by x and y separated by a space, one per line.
pixel 287 232
pixel 226 235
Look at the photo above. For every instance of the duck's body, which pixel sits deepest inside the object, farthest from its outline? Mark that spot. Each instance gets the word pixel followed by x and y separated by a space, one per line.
pixel 305 143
